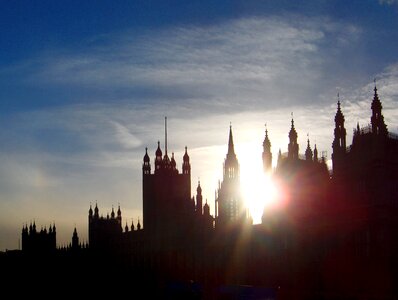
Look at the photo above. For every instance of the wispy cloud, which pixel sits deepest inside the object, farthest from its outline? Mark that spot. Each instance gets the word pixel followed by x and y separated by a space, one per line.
pixel 250 60
pixel 125 137
pixel 388 2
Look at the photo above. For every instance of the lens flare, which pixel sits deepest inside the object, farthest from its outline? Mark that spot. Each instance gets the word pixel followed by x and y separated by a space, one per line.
pixel 258 188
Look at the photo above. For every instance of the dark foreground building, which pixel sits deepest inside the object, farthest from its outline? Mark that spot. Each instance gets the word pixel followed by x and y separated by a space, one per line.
pixel 334 236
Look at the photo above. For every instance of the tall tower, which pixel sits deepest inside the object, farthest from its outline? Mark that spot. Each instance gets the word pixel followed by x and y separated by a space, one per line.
pixel 339 142
pixel 293 147
pixel 377 119
pixel 166 194
pixel 267 155
pixel 229 202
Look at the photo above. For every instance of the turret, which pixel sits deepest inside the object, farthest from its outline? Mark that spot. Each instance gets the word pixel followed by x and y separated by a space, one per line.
pixel 119 215
pixel 158 158
pixel 206 209
pixel 146 166
pixel 90 213
pixel 173 163
pixel 75 240
pixel 96 211
pixel 112 213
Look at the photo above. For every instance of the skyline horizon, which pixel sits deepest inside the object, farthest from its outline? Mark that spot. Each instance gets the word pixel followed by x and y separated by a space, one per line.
pixel 84 237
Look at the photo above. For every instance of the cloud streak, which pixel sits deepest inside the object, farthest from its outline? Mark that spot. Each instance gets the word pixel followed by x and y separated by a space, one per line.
pixel 250 58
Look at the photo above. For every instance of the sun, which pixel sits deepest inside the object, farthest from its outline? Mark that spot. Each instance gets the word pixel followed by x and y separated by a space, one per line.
pixel 258 189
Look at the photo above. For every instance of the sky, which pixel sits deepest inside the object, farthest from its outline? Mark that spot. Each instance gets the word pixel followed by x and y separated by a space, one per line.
pixel 85 87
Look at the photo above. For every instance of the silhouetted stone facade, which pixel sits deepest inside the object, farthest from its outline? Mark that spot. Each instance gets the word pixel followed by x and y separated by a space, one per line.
pixel 334 236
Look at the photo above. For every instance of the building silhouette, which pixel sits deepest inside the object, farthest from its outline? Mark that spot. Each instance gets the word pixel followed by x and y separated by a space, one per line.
pixel 334 236
pixel 229 208
pixel 42 241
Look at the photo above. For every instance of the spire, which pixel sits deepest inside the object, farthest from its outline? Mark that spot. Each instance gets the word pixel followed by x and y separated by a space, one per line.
pixel 112 213
pixel 339 142
pixel 339 118
pixel 315 154
pixel 308 151
pixel 138 224
pixel 126 228
pixel 119 215
pixel 231 165
pixel 166 159
pixel 267 155
pixel 96 211
pixel 165 135
pixel 377 119
pixel 293 146
pixel 199 198
pixel 231 149
pixel 186 167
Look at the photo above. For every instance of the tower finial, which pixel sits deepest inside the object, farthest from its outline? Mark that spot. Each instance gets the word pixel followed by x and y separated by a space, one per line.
pixel 165 133
pixel 292 119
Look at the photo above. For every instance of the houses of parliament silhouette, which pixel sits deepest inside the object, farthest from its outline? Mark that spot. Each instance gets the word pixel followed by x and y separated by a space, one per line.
pixel 335 237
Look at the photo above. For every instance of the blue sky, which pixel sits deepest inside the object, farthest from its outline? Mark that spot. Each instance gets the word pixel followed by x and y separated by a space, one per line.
pixel 84 88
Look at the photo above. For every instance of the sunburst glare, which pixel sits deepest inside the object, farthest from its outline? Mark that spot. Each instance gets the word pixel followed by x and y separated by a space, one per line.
pixel 258 188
